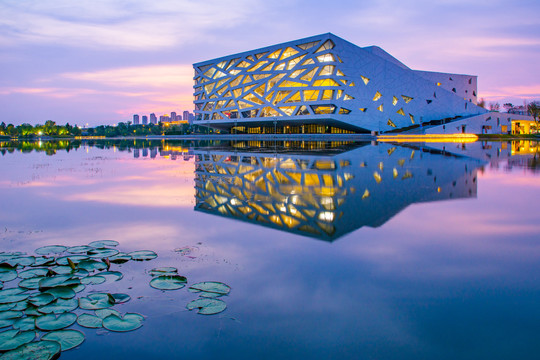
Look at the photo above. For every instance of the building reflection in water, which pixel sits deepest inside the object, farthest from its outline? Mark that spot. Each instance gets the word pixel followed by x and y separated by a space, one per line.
pixel 327 192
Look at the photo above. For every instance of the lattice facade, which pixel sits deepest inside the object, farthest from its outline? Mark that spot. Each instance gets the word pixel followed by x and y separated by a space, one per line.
pixel 320 84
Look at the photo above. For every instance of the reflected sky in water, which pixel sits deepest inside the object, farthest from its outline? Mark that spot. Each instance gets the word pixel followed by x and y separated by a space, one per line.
pixel 438 261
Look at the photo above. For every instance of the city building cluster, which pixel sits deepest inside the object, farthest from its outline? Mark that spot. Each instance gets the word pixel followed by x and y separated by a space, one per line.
pixel 173 119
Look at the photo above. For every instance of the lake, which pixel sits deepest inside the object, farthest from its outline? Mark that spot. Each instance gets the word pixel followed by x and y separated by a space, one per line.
pixel 332 250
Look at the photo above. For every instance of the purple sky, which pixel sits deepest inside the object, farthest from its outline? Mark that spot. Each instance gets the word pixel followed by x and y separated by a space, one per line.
pixel 99 62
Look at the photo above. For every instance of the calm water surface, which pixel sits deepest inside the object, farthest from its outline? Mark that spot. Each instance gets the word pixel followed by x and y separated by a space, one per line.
pixel 332 251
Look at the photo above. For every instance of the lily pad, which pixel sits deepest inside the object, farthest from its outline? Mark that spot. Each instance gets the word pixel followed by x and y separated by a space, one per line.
pixel 20 306
pixel 68 339
pixel 21 261
pixel 142 255
pixel 163 271
pixel 10 255
pixel 59 280
pixel 50 249
pixel 77 288
pixel 12 339
pixel 41 350
pixel 92 265
pixel 59 306
pixel 31 283
pixel 52 322
pixel 32 310
pixel 120 298
pixel 120 258
pixel 103 243
pixel 10 314
pixel 12 298
pixel 74 258
pixel 95 301
pixel 102 253
pixel 32 273
pixel 103 313
pixel 207 306
pixel 6 307
pixel 6 323
pixel 210 289
pixel 128 322
pixel 42 260
pixel 25 324
pixel 93 280
pixel 62 292
pixel 7 274
pixel 90 321
pixel 168 282
pixel 41 299
pixel 79 249
pixel 112 275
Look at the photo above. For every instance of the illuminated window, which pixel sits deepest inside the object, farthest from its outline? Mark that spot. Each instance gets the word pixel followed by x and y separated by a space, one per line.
pixel 394 100
pixel 296 73
pixel 220 104
pixel 288 53
pixel 294 62
pixel 268 67
pixel 231 63
pixel 260 55
pixel 280 67
pixel 344 111
pixel 366 194
pixel 325 82
pixel 217 116
pixel 269 96
pixel 380 108
pixel 311 95
pixel 234 72
pixel 269 112
pixel 259 90
pixel 294 98
pixel 412 118
pixel 257 65
pixel 348 97
pixel 302 110
pixel 237 92
pixel 210 72
pixel 273 81
pixel 244 105
pixel 208 88
pixel 209 106
pixel 340 73
pixel 288 83
pixel 407 99
pixel 438 84
pixel 401 112
pixel 338 94
pixel 391 123
pixel 275 54
pixel 261 76
pixel 377 177
pixel 230 104
pixel 243 64
pixel 328 44
pixel 323 109
pixel 309 75
pixel 288 110
pixel 236 81
pixel 219 74
pixel 325 58
pixel 308 45
pixel 327 70
pixel 280 95
pixel 363 109
pixel 250 113
pixel 328 95
pixel 377 96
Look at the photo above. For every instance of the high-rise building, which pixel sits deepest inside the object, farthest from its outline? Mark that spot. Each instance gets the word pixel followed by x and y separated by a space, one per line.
pixel 135 119
pixel 153 119
pixel 186 115
pixel 173 116
pixel 145 120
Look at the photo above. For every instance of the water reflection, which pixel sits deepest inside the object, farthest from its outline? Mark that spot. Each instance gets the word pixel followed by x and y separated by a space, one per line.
pixel 327 194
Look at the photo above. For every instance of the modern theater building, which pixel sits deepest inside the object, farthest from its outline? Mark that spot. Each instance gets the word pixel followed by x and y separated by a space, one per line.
pixel 324 84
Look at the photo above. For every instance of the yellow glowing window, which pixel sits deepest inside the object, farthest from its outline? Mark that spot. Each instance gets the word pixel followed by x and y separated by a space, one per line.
pixel 302 110
pixel 363 109
pixel 257 65
pixel 261 76
pixel 438 84
pixel 250 57
pixel 220 104
pixel 327 70
pixel 235 72
pixel 259 90
pixel 391 123
pixel 308 62
pixel 288 53
pixel 345 82
pixel 217 116
pixel 269 67
pixel 412 118
pixel 294 98
pixel 269 96
pixel 210 72
pixel 323 109
pixel 377 177
pixel 231 63
pixel 273 81
pixel 247 79
pixel 243 64
pixel 338 58
pixel 309 75
pixel 260 55
pixel 340 73
pixel 327 95
pixel 244 105
pixel 221 82
pixel 269 112
pixel 325 82
pixel 328 44
pixel 296 73
pixel 365 194
pixel 380 108
pixel 292 63
pixel 236 81
pixel 247 88
pixel 344 111
pixel 348 97
pixel 352 83
pixel 288 83
pixel 219 74
pixel 253 98
pixel 288 110
pixel 214 96
pixel 401 112
pixel 407 99
pixel 281 95
pixel 275 54
pixel 308 45
pixel 338 94
pixel 230 104
pixel 237 92
pixel 394 101
pixel 222 64
pixel 325 58
pixel 377 96
pixel 311 95
pixel 209 105
pixel 208 88
pixel 364 79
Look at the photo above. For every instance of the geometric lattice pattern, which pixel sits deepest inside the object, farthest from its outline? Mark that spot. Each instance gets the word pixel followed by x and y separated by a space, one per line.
pixel 318 80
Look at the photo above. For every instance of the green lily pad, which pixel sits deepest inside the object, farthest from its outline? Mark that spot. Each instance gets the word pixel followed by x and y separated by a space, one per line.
pixel 42 260
pixel 41 299
pixel 62 292
pixel 50 249
pixel 168 282
pixel 163 271
pixel 128 322
pixel 89 321
pixel 102 253
pixel 59 306
pixel 59 280
pixel 120 298
pixel 79 249
pixel 93 280
pixel 103 313
pixel 92 265
pixel 21 261
pixel 95 301
pixel 112 275
pixel 31 283
pixel 6 323
pixel 77 288
pixel 210 289
pixel 120 258
pixel 6 307
pixel 12 339
pixel 12 298
pixel 10 314
pixel 52 322
pixel 41 350
pixel 74 258
pixel 32 310
pixel 32 273
pixel 20 306
pixel 142 255
pixel 61 270
pixel 10 255
pixel 68 339
pixel 7 274
pixel 103 243
pixel 25 324
pixel 207 306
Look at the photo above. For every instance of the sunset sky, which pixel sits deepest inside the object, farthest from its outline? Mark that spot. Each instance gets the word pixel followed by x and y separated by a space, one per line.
pixel 99 62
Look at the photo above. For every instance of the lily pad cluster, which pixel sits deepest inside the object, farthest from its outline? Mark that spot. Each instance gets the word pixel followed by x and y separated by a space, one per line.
pixel 36 311
pixel 167 278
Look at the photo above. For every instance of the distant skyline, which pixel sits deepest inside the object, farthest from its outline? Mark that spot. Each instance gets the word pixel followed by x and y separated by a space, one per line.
pixel 100 62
